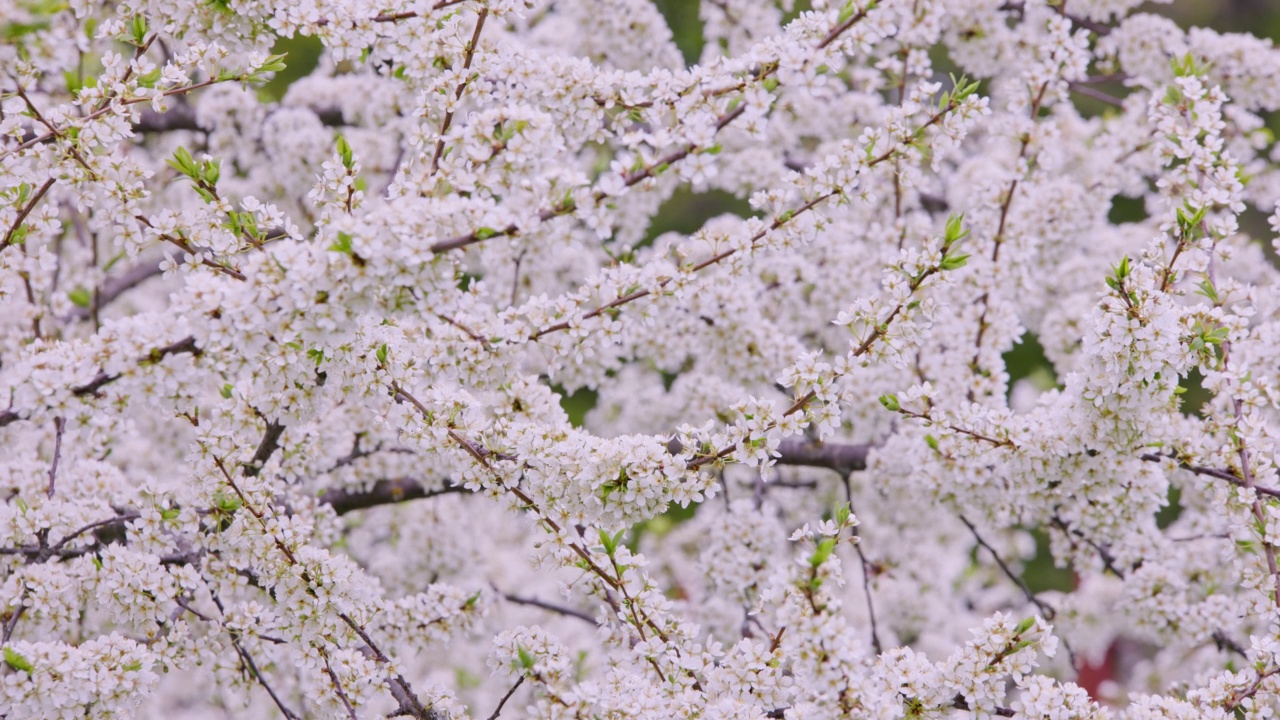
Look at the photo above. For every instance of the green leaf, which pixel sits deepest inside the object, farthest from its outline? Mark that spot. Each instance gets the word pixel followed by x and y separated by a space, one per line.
pixel 344 151
pixel 1187 65
pixel 820 554
pixel 931 441
pixel 14 660
pixel 1208 290
pixel 225 391
pixel 80 297
pixel 273 63
pixel 890 402
pixel 954 262
pixel 381 354
pixel 225 503
pixel 19 235
pixel 211 170
pixel 842 515
pixel 184 163
pixel 150 79
pixel 954 230
pixel 963 88
pixel 609 543
pixel 342 244
pixel 73 81
pixel 14 31
pixel 846 12
pixel 1121 271
pixel 526 660
pixel 138 30
pixel 485 233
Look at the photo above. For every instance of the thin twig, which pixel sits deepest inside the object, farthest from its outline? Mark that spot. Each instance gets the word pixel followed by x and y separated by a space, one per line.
pixel 1246 473
pixel 261 679
pixel 1096 94
pixel 866 570
pixel 467 56
pixel 342 695
pixel 1048 610
pixel 1211 472
pixel 558 609
pixel 24 212
pixel 59 424
pixel 506 697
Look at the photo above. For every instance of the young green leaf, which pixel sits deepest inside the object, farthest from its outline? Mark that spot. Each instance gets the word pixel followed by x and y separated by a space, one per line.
pixel 826 546
pixel 80 297
pixel 16 661
pixel 344 151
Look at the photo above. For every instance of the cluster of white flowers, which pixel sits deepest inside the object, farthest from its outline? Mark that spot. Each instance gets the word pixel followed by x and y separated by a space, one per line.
pixel 391 395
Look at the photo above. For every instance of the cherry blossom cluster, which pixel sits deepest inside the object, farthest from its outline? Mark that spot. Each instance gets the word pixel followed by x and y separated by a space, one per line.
pixel 386 395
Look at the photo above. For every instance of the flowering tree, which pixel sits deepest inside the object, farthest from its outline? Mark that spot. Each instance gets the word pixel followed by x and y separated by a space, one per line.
pixel 282 382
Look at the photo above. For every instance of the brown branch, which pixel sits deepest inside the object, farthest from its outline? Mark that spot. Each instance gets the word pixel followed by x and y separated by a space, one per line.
pixel 383 492
pixel 840 457
pixel 186 345
pixel 57 132
pixel 805 453
pixel 269 444
pixel 961 704
pixel 183 117
pixel 1236 700
pixel 182 244
pixel 115 286
pixel 1212 472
